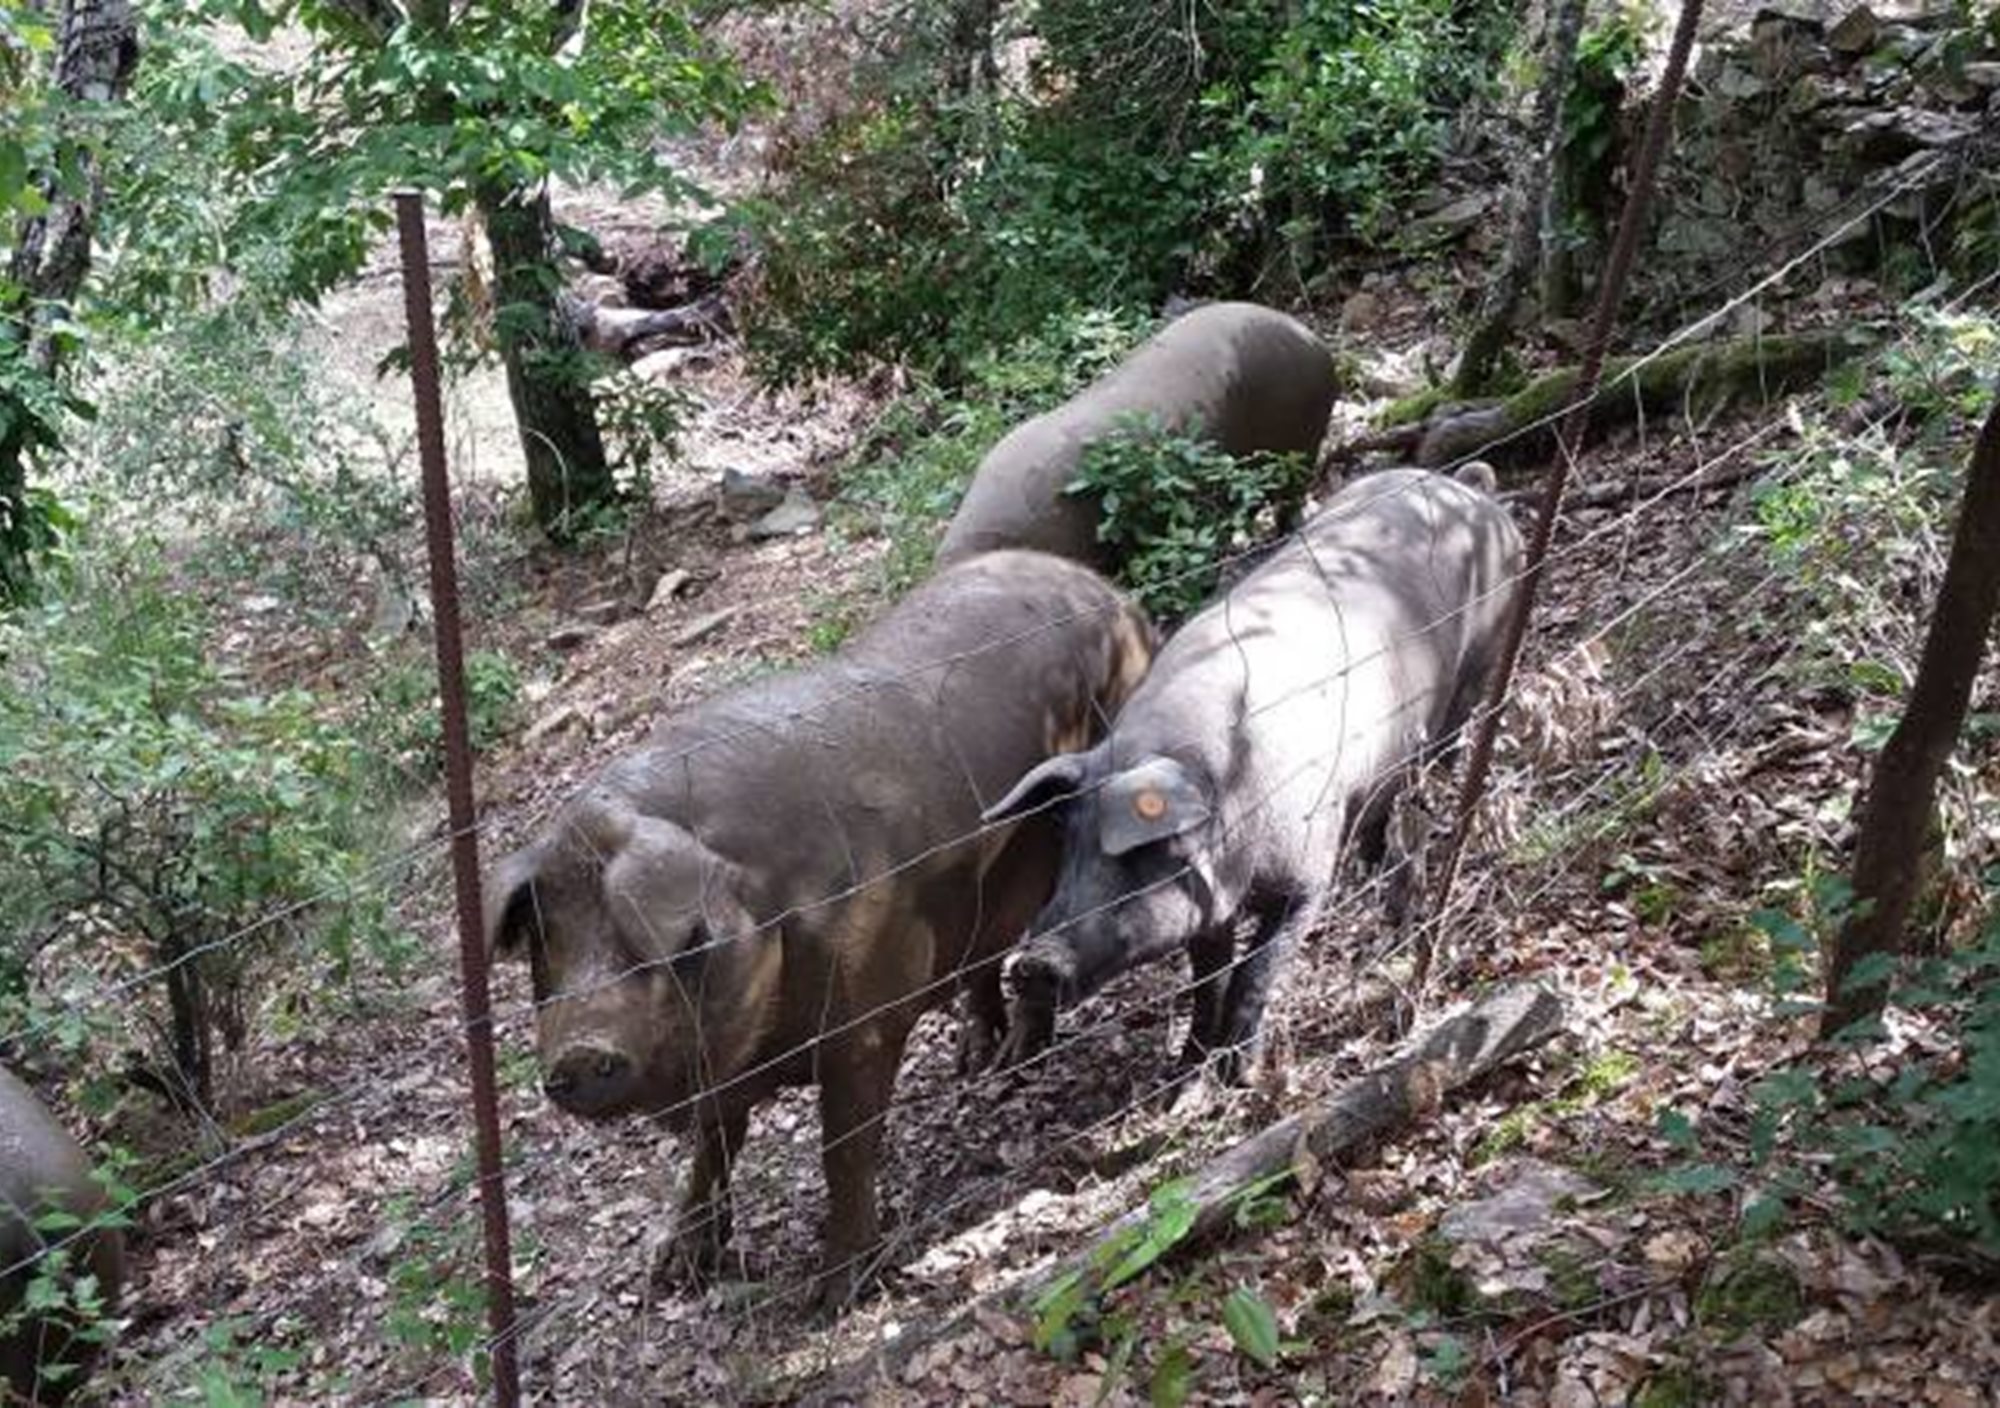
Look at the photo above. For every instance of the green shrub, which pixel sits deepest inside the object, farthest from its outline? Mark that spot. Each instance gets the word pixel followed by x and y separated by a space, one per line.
pixel 907 479
pixel 1175 508
pixel 1149 146
pixel 155 808
pixel 406 717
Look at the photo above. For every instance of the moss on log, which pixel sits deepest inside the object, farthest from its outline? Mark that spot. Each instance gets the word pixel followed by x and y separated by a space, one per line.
pixel 1694 379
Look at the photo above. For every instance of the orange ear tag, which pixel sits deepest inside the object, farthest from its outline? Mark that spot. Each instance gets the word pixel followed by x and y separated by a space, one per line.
pixel 1149 806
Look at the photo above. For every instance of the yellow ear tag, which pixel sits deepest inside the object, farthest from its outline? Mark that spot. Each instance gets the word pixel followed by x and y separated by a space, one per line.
pixel 1149 806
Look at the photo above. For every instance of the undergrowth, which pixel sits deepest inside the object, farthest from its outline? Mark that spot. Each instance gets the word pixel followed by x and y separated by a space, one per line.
pixel 907 478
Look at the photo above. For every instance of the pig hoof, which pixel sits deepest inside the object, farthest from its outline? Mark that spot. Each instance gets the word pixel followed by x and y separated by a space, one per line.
pixel 691 1259
pixel 835 1290
pixel 978 1043
pixel 1031 1028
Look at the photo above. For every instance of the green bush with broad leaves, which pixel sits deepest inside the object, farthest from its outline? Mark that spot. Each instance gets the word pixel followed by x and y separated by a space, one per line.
pixel 1913 1150
pixel 1858 524
pixel 1146 146
pixel 162 818
pixel 1176 509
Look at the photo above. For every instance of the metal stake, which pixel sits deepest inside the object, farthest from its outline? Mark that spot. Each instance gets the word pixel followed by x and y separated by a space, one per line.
pixel 472 955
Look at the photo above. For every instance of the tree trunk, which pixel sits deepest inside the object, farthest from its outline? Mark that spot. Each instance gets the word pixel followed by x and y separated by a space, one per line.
pixel 1524 245
pixel 547 368
pixel 97 47
pixel 1896 815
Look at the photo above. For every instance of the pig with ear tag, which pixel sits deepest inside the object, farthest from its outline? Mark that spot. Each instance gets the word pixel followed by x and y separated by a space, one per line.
pixel 1273 731
pixel 775 887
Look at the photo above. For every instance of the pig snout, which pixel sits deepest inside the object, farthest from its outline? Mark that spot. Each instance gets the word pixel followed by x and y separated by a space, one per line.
pixel 591 1080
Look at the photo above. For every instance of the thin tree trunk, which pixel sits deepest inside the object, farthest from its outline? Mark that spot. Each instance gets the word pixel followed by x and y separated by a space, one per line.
pixel 1896 816
pixel 1524 245
pixel 97 47
pixel 546 364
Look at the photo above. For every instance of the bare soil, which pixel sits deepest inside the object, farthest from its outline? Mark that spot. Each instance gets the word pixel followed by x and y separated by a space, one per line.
pixel 345 1235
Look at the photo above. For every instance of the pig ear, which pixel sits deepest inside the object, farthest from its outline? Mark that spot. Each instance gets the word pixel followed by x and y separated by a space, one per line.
pixel 1478 474
pixel 1055 777
pixel 509 898
pixel 1157 799
pixel 664 873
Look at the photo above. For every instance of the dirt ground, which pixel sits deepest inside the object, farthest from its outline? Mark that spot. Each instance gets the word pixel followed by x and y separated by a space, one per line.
pixel 348 1237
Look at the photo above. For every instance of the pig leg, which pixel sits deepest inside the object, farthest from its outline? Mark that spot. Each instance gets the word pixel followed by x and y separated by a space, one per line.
pixel 701 1223
pixel 1209 953
pixel 985 1021
pixel 1277 928
pixel 856 1077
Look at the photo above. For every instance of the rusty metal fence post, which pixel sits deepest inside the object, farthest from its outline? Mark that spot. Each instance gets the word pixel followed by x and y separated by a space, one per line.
pixel 472 954
pixel 1569 440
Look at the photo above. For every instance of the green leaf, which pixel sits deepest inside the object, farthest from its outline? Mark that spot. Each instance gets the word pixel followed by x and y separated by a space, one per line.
pixel 1173 1378
pixel 1678 1130
pixel 1698 1179
pixel 1251 1325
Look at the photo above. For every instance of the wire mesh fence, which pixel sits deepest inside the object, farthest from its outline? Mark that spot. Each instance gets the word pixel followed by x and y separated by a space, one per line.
pixel 988 1174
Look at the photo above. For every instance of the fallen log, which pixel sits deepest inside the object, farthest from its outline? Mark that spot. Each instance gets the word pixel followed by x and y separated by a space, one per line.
pixel 1699 376
pixel 1454 1053
pixel 632 332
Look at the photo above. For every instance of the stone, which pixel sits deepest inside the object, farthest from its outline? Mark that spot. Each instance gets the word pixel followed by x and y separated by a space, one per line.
pixel 797 514
pixel 667 588
pixel 558 720
pixel 703 627
pixel 747 496
pixel 1855 32
pixel 1737 83
pixel 602 290
pixel 1525 1204
pixel 570 635
pixel 1883 137
pixel 669 362
pixel 1360 313
pixel 1983 73
pixel 1457 216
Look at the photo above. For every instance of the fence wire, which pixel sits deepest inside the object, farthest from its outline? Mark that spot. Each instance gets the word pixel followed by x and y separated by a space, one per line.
pixel 536 1319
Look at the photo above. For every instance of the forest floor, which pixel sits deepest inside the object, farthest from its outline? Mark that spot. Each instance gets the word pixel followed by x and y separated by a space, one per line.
pixel 1671 759
pixel 1509 1249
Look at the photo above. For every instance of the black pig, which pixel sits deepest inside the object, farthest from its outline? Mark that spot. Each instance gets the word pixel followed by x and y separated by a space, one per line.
pixel 1274 729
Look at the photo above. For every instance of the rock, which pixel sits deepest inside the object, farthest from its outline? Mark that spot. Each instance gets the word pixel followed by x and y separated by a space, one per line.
pixel 1526 1204
pixel 1784 46
pixel 797 514
pixel 667 588
pixel 666 363
pixel 1360 313
pixel 570 635
pixel 747 496
pixel 1736 83
pixel 602 290
pixel 557 720
pixel 1883 137
pixel 1950 86
pixel 1855 32
pixel 702 628
pixel 396 609
pixel 1455 218
pixel 1983 73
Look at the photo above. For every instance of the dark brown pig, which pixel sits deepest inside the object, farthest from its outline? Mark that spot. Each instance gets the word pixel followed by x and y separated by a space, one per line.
pixel 1274 728
pixel 774 888
pixel 1244 376
pixel 43 1171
